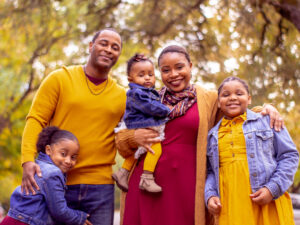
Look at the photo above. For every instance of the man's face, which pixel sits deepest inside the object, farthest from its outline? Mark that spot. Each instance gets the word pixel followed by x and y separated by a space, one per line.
pixel 105 50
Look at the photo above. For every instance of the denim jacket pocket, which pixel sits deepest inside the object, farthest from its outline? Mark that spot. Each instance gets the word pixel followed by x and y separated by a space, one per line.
pixel 265 140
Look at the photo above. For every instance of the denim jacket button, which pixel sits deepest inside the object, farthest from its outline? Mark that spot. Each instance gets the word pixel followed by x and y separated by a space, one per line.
pixel 20 217
pixel 252 155
pixel 254 174
pixel 250 136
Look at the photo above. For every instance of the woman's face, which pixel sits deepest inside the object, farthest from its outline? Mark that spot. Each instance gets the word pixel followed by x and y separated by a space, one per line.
pixel 175 71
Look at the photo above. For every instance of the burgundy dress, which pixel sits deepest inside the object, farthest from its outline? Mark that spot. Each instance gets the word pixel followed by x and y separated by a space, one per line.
pixel 175 173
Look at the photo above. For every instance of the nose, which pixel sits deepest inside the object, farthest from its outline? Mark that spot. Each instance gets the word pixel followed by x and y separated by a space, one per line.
pixel 108 48
pixel 68 160
pixel 232 97
pixel 173 73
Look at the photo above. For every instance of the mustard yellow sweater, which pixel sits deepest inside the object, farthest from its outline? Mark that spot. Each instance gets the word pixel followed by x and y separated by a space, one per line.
pixel 65 99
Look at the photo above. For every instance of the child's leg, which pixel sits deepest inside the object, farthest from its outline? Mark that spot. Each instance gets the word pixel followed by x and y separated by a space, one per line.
pixel 128 163
pixel 147 179
pixel 121 176
pixel 152 159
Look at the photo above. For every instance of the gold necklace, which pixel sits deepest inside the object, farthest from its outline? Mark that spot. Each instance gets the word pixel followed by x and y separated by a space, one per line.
pixel 87 83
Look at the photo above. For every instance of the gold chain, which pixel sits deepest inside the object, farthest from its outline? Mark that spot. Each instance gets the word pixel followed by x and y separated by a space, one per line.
pixel 87 83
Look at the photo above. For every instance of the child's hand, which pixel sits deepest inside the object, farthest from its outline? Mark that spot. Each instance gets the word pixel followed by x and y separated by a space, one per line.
pixel 214 206
pixel 87 223
pixel 262 196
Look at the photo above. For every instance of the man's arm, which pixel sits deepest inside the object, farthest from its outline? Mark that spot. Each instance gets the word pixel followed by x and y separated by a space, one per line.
pixel 40 114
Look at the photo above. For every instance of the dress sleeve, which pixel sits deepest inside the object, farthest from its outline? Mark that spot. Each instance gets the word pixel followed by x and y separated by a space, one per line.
pixel 39 116
pixel 57 204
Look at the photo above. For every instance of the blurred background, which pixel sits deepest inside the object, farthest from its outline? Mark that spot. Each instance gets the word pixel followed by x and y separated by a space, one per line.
pixel 257 40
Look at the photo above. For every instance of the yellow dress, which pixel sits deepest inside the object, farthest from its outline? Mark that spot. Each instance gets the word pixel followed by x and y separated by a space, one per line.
pixel 235 189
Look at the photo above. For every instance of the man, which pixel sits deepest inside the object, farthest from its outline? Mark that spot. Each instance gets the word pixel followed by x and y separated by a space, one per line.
pixel 87 102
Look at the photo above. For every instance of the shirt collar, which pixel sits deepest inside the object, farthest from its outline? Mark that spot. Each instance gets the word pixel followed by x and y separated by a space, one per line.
pixel 242 117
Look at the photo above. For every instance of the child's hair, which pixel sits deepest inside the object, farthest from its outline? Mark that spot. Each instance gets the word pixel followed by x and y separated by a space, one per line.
pixel 136 58
pixel 174 48
pixel 228 79
pixel 51 135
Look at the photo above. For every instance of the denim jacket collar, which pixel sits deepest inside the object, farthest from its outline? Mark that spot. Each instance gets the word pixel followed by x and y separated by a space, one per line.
pixel 134 86
pixel 46 159
pixel 250 116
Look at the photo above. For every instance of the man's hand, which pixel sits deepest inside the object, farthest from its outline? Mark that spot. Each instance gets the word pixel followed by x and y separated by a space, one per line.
pixel 214 205
pixel 262 197
pixel 276 120
pixel 28 181
pixel 145 138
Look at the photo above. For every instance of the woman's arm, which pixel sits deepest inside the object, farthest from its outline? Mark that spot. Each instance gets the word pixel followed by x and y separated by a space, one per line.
pixel 276 120
pixel 128 140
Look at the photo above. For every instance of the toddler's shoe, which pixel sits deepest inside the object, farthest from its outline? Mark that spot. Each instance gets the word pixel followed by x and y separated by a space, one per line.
pixel 121 178
pixel 147 183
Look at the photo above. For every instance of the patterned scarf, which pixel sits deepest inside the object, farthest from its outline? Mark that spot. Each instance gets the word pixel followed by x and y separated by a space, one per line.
pixel 178 102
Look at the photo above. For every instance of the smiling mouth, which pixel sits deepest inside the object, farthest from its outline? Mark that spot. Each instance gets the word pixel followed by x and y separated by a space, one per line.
pixel 233 105
pixel 105 58
pixel 175 82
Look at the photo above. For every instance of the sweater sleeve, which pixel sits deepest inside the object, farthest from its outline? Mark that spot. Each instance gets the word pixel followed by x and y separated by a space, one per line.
pixel 125 142
pixel 39 116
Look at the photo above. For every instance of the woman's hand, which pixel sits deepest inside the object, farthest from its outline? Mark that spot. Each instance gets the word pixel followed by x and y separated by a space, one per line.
pixel 276 120
pixel 262 197
pixel 214 205
pixel 145 138
pixel 28 181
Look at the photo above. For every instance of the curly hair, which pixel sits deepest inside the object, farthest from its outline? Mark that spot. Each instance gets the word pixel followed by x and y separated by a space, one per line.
pixel 51 135
pixel 136 58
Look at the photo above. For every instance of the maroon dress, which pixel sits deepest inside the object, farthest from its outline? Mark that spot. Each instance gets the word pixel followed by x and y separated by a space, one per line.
pixel 175 173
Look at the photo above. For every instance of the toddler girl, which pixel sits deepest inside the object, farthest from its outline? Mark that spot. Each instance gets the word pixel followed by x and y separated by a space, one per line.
pixel 143 110
pixel 250 166
pixel 58 151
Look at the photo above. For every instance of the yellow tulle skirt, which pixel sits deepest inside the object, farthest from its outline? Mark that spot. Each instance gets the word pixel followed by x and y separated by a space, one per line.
pixel 237 206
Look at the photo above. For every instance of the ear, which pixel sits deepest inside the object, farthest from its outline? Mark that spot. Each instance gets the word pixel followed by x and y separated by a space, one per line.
pixel 219 106
pixel 191 65
pixel 129 78
pixel 48 150
pixel 249 100
pixel 90 46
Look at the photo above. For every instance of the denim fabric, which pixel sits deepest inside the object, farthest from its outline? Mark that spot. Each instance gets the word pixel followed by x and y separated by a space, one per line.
pixel 50 200
pixel 143 108
pixel 272 157
pixel 96 200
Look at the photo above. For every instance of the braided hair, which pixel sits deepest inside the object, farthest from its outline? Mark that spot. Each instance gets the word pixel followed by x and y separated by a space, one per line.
pixel 232 78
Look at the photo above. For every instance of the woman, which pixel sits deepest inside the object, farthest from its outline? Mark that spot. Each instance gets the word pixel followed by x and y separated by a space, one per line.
pixel 181 170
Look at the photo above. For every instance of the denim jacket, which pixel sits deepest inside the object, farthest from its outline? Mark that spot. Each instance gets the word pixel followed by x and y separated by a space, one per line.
pixel 143 108
pixel 48 202
pixel 272 157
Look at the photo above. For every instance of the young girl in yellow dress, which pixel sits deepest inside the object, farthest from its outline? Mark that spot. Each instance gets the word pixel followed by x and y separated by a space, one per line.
pixel 250 166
